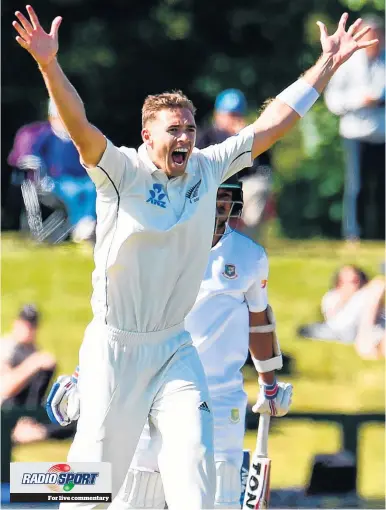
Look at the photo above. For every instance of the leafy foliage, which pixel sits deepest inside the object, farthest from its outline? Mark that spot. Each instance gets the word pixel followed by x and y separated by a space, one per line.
pixel 311 187
pixel 117 53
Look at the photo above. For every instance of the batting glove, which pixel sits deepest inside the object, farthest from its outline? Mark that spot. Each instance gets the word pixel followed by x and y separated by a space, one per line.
pixel 274 399
pixel 63 404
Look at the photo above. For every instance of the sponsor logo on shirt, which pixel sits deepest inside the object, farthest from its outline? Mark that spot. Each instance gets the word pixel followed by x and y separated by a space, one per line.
pixel 157 196
pixel 263 283
pixel 235 415
pixel 192 193
pixel 230 271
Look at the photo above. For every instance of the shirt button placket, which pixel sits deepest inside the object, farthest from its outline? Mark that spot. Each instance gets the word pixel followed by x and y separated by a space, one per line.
pixel 174 194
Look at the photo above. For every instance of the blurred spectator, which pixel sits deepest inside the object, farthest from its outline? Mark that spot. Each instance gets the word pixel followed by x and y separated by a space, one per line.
pixel 29 430
pixel 25 376
pixel 44 154
pixel 354 313
pixel 357 94
pixel 23 165
pixel 229 117
pixel 26 372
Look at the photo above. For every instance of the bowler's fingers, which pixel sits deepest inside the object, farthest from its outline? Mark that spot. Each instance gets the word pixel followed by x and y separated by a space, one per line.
pixel 361 33
pixel 55 26
pixel 323 30
pixel 20 30
pixel 366 44
pixel 33 17
pixel 22 42
pixel 354 27
pixel 343 21
pixel 25 23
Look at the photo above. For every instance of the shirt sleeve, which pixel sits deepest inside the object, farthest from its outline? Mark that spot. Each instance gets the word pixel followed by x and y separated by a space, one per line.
pixel 115 171
pixel 232 155
pixel 257 294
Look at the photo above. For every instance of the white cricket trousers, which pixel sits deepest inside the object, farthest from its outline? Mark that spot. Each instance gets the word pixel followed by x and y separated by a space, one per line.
pixel 229 411
pixel 124 379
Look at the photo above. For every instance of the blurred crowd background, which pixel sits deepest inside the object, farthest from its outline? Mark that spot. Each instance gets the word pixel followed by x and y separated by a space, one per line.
pixel 316 201
pixel 115 56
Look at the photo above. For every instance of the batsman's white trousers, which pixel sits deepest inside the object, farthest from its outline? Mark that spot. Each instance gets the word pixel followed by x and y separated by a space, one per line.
pixel 229 426
pixel 126 378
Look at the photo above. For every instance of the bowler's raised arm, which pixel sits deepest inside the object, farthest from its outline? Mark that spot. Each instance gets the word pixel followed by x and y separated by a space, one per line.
pixel 43 47
pixel 289 106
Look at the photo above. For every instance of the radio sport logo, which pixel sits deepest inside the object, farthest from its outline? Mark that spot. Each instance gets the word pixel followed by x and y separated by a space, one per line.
pixel 60 478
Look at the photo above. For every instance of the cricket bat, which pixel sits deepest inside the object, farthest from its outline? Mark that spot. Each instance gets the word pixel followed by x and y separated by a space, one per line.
pixel 257 489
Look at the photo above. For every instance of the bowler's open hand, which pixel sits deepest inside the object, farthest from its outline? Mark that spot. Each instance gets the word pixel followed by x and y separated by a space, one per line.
pixel 41 45
pixel 341 45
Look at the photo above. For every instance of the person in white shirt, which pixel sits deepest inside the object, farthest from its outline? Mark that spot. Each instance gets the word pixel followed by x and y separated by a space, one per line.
pixel 354 313
pixel 232 299
pixel 357 95
pixel 155 215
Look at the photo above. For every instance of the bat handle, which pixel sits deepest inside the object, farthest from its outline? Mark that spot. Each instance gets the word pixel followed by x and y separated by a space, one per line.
pixel 262 435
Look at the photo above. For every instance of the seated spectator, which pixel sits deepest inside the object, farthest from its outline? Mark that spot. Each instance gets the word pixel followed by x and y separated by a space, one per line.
pixel 28 430
pixel 45 155
pixel 25 375
pixel 354 313
pixel 26 372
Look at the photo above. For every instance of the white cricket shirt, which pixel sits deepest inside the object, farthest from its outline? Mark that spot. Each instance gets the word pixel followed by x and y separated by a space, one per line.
pixel 154 234
pixel 235 283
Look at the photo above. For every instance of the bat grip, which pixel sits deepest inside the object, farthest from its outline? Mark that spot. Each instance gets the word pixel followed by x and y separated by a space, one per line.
pixel 262 435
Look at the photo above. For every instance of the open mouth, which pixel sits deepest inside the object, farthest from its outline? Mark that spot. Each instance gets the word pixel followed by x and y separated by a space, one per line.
pixel 179 156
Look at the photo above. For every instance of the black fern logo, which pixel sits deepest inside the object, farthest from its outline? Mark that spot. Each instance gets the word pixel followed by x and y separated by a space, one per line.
pixel 192 192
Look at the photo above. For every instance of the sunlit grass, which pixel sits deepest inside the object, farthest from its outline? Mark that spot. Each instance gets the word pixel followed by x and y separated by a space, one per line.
pixel 327 376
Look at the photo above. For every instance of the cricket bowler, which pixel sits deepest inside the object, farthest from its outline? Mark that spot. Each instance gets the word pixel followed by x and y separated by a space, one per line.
pixel 155 216
pixel 230 315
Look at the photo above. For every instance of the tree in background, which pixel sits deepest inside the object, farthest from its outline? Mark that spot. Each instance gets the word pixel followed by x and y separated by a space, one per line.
pixel 309 180
pixel 117 52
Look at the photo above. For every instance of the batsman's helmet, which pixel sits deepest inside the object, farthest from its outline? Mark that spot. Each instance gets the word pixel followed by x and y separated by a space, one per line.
pixel 235 185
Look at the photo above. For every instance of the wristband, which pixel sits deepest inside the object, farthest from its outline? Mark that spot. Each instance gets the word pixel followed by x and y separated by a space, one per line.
pixel 75 375
pixel 270 390
pixel 300 96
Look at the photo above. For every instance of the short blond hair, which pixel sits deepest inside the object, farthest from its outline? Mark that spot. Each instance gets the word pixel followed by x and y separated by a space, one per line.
pixel 167 100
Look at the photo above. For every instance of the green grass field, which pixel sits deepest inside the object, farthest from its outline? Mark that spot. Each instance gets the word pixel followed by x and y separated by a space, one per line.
pixel 328 377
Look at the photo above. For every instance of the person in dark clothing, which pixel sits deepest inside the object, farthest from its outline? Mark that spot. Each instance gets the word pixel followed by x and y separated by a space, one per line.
pixel 26 375
pixel 26 372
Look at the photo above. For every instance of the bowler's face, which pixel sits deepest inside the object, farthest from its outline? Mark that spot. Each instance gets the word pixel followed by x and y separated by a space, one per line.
pixel 170 139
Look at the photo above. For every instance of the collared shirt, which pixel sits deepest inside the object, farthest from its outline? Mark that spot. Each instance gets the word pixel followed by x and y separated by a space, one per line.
pixel 358 78
pixel 234 284
pixel 154 234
